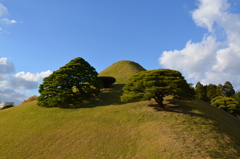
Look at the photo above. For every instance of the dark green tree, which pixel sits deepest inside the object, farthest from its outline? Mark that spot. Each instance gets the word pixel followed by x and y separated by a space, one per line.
pixel 70 86
pixel 227 89
pixel 226 103
pixel 200 92
pixel 219 90
pixel 211 91
pixel 157 84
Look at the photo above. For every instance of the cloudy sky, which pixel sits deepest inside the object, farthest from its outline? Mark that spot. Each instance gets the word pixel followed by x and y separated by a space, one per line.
pixel 200 38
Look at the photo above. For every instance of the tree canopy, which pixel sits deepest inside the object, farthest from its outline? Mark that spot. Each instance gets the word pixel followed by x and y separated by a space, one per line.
pixel 200 91
pixel 71 85
pixel 208 92
pixel 226 103
pixel 157 84
pixel 227 89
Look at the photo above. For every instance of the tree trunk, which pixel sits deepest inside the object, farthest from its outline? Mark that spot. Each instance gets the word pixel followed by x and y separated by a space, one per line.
pixel 159 100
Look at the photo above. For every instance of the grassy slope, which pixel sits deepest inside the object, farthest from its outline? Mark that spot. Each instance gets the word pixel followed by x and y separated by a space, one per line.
pixel 189 129
pixel 107 128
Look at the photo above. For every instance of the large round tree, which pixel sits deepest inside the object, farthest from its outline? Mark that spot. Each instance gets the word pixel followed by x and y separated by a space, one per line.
pixel 70 86
pixel 157 84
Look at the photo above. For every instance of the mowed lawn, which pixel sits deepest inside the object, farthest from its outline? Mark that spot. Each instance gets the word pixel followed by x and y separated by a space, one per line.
pixel 111 129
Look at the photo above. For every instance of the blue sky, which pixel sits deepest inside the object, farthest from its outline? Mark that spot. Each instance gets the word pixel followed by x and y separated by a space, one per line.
pixel 195 37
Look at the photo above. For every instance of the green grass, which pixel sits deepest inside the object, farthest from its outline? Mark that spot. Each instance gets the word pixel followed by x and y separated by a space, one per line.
pixel 186 129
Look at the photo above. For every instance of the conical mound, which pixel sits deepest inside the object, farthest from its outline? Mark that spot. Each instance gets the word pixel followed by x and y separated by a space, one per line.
pixel 122 70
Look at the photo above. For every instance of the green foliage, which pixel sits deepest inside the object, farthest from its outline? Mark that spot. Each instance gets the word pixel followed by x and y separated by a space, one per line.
pixel 6 106
pixel 208 92
pixel 200 91
pixel 226 103
pixel 157 84
pixel 237 97
pixel 107 81
pixel 227 89
pixel 219 90
pixel 211 91
pixel 70 86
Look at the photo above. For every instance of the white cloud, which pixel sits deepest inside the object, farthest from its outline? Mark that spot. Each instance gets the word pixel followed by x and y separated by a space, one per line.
pixel 21 83
pixel 213 60
pixel 209 12
pixel 194 59
pixel 3 10
pixel 27 80
pixel 6 21
pixel 21 80
pixel 6 67
pixel 10 95
pixel 33 77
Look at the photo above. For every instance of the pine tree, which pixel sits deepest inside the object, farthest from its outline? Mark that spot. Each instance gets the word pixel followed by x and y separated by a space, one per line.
pixel 211 91
pixel 70 86
pixel 200 91
pixel 227 89
pixel 157 84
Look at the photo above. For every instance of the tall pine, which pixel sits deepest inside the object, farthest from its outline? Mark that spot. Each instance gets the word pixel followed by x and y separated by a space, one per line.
pixel 227 89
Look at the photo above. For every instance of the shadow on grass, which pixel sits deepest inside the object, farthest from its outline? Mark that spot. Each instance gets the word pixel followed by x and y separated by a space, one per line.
pixel 173 105
pixel 107 97
pixel 224 123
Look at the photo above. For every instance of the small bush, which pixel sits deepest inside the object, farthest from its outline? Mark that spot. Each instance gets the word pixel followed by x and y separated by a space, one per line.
pixel 7 106
pixel 107 81
pixel 32 98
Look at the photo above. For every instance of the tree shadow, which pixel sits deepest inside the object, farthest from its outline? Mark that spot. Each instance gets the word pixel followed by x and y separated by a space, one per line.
pixel 108 96
pixel 173 105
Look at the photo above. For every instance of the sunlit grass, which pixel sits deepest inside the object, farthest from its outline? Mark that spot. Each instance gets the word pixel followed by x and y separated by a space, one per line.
pixel 119 130
pixel 122 70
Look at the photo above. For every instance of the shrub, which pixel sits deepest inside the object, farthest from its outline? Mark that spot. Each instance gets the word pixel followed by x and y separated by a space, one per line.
pixel 226 103
pixel 32 98
pixel 107 81
pixel 7 106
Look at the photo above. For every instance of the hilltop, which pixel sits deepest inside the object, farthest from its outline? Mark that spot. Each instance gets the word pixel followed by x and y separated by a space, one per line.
pixel 122 70
pixel 108 128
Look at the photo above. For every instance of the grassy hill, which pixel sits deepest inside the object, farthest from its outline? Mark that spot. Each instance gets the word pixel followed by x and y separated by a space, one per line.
pixel 122 70
pixel 108 128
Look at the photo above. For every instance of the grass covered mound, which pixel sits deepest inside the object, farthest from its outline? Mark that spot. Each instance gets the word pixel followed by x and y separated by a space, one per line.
pixel 112 129
pixel 108 128
pixel 122 70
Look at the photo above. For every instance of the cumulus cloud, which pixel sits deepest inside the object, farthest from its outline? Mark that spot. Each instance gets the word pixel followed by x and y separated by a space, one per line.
pixel 6 67
pixel 10 95
pixel 27 80
pixel 10 83
pixel 212 60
